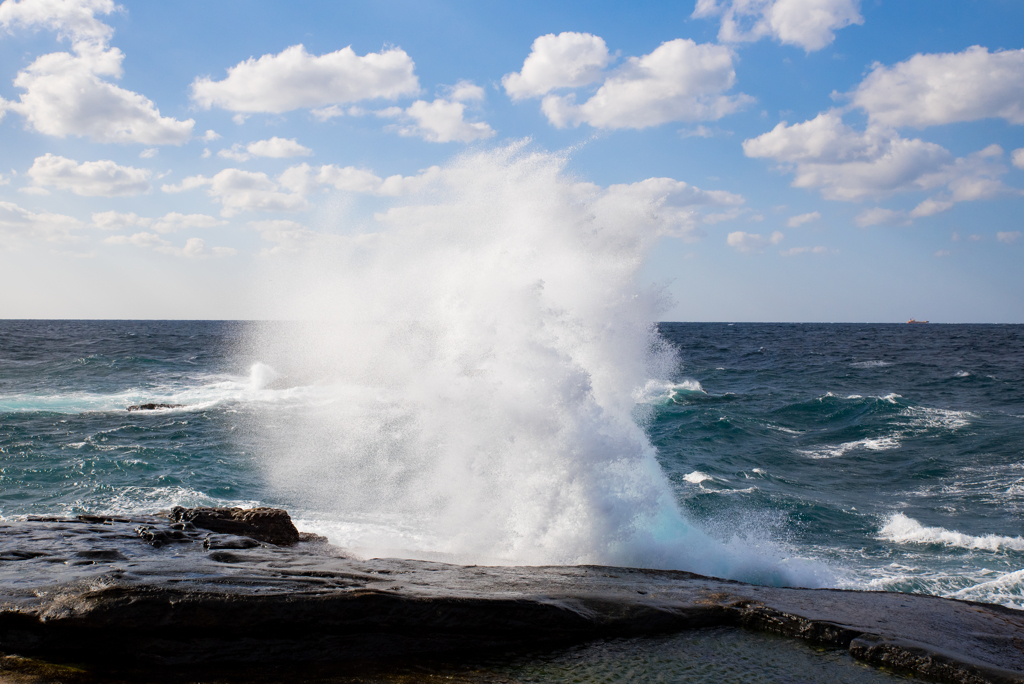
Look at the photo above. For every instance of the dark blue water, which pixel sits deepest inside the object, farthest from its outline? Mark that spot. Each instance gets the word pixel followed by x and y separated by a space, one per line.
pixel 893 453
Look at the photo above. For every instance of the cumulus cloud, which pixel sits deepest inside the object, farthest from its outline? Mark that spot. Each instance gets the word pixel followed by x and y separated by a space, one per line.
pixel 18 225
pixel 439 121
pixel 169 223
pixel 1008 237
pixel 810 24
pixel 679 81
pixel 295 79
pixel 797 221
pixel 277 148
pixel 1017 157
pixel 304 179
pixel 568 60
pixel 195 248
pixel 90 179
pixel 236 191
pixel 149 153
pixel 752 243
pixel 934 89
pixel 67 94
pixel 239 191
pixel 674 206
pixel 844 164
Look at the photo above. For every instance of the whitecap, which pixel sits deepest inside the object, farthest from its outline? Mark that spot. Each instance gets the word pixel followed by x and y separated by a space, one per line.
pixel 962 374
pixel 660 392
pixel 870 364
pixel 696 477
pixel 905 530
pixel 875 444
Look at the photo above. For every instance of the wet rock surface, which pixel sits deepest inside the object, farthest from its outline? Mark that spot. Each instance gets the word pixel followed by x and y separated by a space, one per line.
pixel 154 407
pixel 99 590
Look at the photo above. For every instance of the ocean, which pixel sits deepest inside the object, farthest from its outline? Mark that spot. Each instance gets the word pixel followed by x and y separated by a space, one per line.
pixel 854 455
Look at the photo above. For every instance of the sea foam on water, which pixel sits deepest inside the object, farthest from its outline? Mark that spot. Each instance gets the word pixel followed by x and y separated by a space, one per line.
pixel 477 351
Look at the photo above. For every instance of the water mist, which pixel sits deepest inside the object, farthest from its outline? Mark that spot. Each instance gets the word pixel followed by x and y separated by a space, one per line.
pixel 466 369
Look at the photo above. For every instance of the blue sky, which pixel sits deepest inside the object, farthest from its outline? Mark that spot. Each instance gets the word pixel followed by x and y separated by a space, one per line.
pixel 843 160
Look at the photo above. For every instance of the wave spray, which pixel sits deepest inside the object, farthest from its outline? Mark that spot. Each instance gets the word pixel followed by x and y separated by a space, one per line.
pixel 473 357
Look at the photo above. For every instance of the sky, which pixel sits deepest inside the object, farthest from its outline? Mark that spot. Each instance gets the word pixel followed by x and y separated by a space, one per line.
pixel 829 160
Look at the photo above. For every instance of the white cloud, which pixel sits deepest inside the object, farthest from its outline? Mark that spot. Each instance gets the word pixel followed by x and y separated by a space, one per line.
pixel 324 113
pixel 439 121
pixel 845 164
pixel 935 89
pixel 810 24
pixel 148 153
pixel 1017 157
pixel 673 206
pixel 21 225
pixel 752 243
pixel 1008 237
pixel 90 179
pixel 277 148
pixel 65 93
pixel 304 180
pixel 568 60
pixel 195 248
pixel 210 136
pixel 880 215
pixel 238 190
pixel 678 81
pixel 295 79
pixel 74 19
pixel 796 221
pixel 794 251
pixel 465 91
pixel 171 222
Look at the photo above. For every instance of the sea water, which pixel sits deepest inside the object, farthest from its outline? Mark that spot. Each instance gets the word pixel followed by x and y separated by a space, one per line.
pixel 889 455
pixel 478 374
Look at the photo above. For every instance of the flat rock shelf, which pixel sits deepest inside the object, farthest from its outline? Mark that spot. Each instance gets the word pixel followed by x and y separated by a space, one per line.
pixel 159 595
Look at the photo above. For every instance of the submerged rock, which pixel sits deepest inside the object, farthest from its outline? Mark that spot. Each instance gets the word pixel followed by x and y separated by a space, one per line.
pixel 154 407
pixel 93 591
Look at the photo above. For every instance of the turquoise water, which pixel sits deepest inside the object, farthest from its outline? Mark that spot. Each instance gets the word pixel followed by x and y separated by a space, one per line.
pixel 890 455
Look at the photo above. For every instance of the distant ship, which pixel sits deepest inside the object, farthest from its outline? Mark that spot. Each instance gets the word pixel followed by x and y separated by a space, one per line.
pixel 913 321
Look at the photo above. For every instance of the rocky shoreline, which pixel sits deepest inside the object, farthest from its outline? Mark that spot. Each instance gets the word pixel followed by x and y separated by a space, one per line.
pixel 203 588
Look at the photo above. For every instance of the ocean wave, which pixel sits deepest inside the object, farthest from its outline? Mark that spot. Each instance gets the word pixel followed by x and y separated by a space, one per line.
pixel 1006 590
pixel 876 444
pixel 261 385
pixel 904 530
pixel 870 364
pixel 696 477
pixel 660 392
pixel 922 417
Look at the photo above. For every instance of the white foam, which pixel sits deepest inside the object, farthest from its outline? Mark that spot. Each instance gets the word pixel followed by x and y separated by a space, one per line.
pixel 874 444
pixel 660 392
pixel 904 530
pixel 962 374
pixel 484 343
pixel 192 394
pixel 696 477
pixel 870 364
pixel 923 418
pixel 1006 590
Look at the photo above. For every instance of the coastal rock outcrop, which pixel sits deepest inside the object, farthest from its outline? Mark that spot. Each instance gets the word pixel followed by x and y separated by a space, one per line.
pixel 92 591
pixel 270 525
pixel 153 407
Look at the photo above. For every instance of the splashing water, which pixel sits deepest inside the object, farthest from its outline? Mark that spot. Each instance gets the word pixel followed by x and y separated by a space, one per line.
pixel 477 356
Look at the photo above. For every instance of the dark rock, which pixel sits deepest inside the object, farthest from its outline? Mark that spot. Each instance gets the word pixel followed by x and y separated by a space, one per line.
pixel 270 525
pixel 162 609
pixel 153 407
